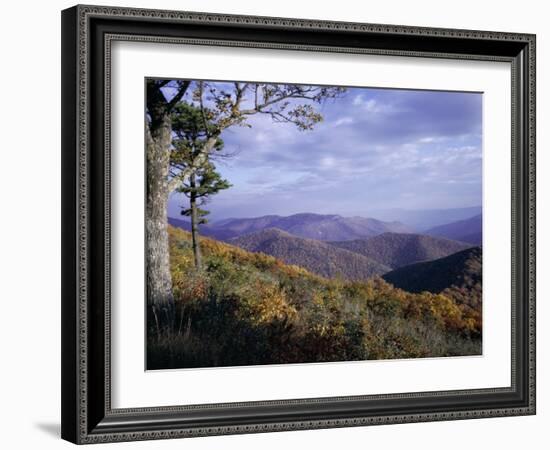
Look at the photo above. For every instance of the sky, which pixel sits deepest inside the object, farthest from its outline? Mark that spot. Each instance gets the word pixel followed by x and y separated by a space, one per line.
pixel 375 149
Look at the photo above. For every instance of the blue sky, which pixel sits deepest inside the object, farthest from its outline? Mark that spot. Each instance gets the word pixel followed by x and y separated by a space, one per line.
pixel 375 149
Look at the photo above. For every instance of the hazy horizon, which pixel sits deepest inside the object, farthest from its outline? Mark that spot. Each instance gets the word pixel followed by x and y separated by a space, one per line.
pixel 372 215
pixel 377 149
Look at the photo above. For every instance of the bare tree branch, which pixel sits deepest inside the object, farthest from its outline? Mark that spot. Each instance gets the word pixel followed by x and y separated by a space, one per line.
pixel 178 96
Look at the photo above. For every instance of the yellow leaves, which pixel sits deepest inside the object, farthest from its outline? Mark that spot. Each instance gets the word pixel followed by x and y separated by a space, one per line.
pixel 318 300
pixel 324 315
pixel 266 303
pixel 449 312
pixel 440 308
pixel 190 288
pixel 211 247
pixel 327 329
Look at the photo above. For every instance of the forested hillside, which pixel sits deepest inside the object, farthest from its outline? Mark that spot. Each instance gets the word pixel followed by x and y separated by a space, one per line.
pixel 247 308
pixel 458 276
pixel 316 256
pixel 398 249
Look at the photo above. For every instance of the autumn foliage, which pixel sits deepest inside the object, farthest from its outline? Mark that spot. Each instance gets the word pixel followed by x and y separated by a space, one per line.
pixel 247 308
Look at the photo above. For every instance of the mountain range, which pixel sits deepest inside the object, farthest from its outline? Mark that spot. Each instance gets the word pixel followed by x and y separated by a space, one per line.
pixel 322 227
pixel 434 276
pixel 353 248
pixel 398 249
pixel 458 276
pixel 468 230
pixel 354 260
pixel 424 219
pixel 451 270
pixel 316 256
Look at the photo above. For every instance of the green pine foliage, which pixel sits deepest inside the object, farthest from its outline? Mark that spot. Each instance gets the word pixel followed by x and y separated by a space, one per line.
pixel 204 183
pixel 192 131
pixel 246 308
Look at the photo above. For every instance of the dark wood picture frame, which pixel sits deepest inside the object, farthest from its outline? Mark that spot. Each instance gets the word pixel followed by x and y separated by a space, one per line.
pixel 87 33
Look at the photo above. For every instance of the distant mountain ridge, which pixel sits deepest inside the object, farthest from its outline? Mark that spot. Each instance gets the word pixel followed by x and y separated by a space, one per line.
pixel 424 219
pixel 352 258
pixel 316 256
pixel 439 274
pixel 204 229
pixel 468 230
pixel 322 227
pixel 398 249
pixel 458 276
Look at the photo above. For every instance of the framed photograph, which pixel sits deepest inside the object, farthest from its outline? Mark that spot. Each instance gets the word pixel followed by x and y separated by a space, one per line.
pixel 279 224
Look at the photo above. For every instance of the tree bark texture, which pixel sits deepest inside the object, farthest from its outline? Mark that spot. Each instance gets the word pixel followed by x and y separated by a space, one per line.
pixel 159 280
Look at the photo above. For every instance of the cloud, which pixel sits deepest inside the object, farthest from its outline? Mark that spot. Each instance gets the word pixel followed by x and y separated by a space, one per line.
pixel 376 148
pixel 372 106
pixel 343 121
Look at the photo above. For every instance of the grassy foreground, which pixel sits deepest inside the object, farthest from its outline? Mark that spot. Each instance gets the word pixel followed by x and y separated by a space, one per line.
pixel 249 308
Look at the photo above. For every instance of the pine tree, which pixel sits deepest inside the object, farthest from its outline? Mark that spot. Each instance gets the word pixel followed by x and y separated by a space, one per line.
pixel 191 127
pixel 203 183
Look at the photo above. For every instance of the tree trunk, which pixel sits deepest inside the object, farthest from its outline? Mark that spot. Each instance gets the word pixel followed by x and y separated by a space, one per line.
pixel 160 298
pixel 195 224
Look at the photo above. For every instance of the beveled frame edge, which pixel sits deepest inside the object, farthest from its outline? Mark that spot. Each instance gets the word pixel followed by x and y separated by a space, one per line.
pixel 76 217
